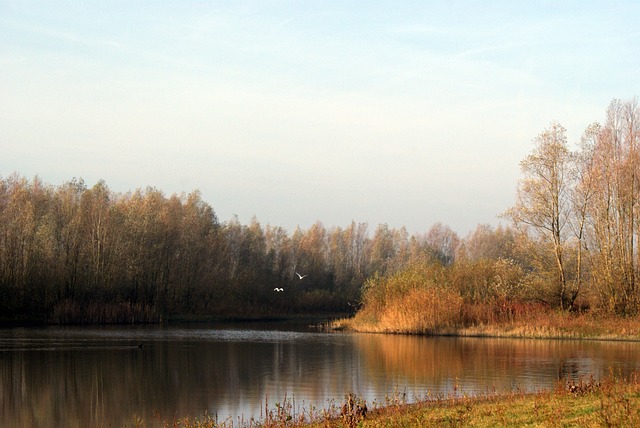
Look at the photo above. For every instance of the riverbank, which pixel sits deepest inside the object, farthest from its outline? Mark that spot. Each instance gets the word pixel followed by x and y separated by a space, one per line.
pixel 542 325
pixel 613 401
pixel 319 320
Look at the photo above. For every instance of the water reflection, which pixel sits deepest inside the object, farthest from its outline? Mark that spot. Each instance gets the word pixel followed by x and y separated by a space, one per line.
pixel 479 365
pixel 82 377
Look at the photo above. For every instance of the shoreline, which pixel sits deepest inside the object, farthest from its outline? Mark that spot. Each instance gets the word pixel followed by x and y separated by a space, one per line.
pixel 593 330
pixel 506 335
pixel 597 330
pixel 325 318
pixel 611 401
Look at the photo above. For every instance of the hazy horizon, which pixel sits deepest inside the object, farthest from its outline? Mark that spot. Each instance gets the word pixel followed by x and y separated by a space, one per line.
pixel 406 113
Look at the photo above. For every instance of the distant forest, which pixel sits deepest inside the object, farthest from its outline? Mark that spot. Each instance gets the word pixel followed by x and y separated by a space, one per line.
pixel 74 254
pixel 78 254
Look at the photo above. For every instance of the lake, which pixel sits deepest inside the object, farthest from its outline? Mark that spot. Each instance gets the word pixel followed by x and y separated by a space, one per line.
pixel 97 376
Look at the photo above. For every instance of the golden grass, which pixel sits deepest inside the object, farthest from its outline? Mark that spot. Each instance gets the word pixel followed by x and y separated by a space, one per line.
pixel 421 311
pixel 532 323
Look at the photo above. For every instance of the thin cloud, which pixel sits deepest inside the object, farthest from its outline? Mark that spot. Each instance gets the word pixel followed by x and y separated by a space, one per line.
pixel 62 35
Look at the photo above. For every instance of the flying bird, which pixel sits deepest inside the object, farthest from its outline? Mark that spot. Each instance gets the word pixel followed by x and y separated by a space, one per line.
pixel 300 276
pixel 278 289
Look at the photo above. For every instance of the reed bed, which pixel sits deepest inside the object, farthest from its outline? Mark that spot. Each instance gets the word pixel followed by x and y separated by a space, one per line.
pixel 450 316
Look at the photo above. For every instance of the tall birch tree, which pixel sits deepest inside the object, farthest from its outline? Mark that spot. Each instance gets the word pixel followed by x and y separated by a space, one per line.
pixel 543 204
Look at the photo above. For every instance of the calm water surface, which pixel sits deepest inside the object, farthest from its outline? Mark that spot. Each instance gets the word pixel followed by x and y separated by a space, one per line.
pixel 106 376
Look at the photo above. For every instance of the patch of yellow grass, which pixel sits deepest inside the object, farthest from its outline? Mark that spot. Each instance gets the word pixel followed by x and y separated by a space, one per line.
pixel 410 318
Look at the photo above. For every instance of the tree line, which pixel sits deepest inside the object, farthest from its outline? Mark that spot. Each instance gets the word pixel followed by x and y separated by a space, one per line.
pixel 74 253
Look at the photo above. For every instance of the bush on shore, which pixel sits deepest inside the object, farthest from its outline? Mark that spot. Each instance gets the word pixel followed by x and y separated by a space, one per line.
pixel 429 298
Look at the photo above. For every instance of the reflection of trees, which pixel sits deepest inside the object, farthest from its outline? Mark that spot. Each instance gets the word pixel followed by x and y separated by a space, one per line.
pixel 480 364
pixel 90 386
pixel 74 388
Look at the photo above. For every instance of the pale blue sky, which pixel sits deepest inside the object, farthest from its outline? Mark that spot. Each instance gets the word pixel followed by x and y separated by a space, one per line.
pixel 406 113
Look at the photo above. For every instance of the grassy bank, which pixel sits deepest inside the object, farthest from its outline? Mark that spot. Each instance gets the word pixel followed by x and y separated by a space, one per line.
pixel 537 323
pixel 614 401
pixel 585 404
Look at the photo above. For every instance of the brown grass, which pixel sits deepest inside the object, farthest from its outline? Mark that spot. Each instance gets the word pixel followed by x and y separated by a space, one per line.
pixel 421 311
pixel 425 312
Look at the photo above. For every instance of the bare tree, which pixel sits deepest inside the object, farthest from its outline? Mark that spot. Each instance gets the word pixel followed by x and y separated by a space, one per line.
pixel 543 203
pixel 444 243
pixel 613 213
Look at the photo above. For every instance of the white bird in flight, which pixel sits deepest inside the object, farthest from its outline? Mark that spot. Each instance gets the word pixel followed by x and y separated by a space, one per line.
pixel 278 289
pixel 300 276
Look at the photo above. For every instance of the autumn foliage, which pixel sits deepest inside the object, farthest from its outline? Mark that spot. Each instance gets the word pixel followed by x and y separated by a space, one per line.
pixel 78 254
